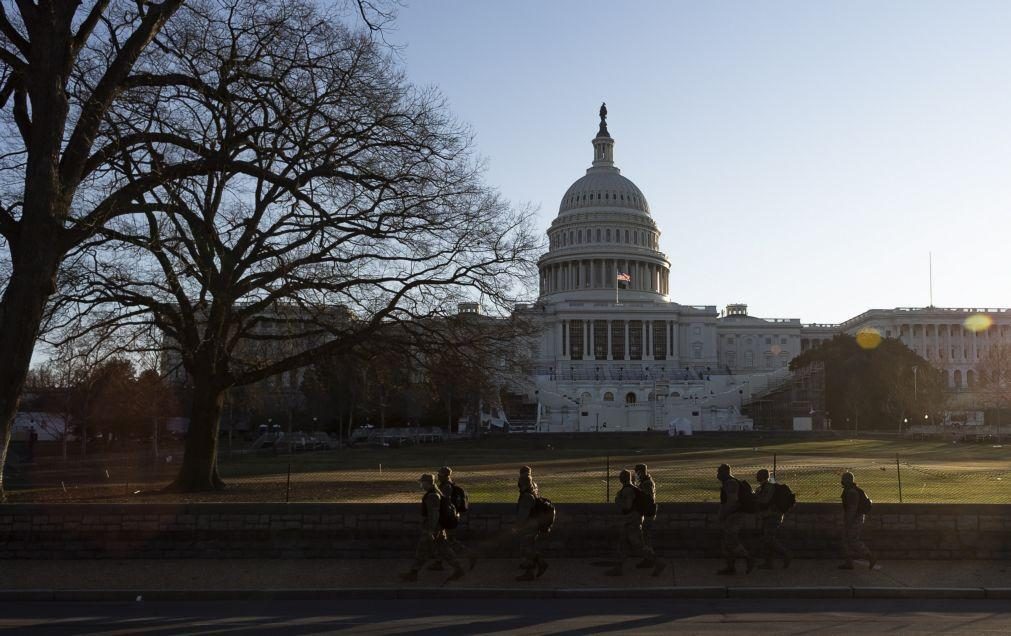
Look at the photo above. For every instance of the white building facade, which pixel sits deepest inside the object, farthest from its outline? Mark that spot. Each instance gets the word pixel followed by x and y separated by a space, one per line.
pixel 632 359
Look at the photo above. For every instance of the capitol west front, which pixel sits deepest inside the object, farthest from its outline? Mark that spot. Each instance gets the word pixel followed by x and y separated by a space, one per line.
pixel 632 359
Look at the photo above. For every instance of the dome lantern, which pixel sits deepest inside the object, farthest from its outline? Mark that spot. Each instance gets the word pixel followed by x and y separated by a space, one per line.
pixel 603 145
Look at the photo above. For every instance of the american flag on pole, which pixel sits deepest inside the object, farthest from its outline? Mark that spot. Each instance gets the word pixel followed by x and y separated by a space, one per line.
pixel 624 277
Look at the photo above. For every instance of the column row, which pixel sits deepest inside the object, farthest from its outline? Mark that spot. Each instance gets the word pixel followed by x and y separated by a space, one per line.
pixel 603 274
pixel 618 340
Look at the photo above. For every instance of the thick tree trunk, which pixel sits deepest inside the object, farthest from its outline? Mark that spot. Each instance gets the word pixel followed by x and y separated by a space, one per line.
pixel 21 311
pixel 199 472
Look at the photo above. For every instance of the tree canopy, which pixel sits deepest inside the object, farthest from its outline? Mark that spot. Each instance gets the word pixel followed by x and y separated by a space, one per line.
pixel 879 384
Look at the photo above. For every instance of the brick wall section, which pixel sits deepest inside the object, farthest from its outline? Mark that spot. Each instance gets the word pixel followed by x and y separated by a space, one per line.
pixel 39 531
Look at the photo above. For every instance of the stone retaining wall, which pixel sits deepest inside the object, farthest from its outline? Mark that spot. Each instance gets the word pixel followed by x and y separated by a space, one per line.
pixel 40 531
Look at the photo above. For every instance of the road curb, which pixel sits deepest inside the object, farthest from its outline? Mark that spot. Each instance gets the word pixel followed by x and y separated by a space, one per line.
pixel 790 592
pixel 919 592
pixel 702 592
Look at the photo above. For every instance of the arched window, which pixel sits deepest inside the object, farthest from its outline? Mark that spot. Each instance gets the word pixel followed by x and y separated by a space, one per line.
pixel 608 236
pixel 630 398
pixel 626 236
pixel 957 381
pixel 609 397
pixel 970 378
pixel 598 235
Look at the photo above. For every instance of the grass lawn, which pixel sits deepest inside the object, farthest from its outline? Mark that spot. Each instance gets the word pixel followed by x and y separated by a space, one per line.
pixel 575 468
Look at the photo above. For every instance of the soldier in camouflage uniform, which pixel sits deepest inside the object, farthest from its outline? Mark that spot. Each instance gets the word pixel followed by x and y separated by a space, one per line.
pixel 771 519
pixel 853 522
pixel 527 529
pixel 445 483
pixel 432 542
pixel 732 519
pixel 630 531
pixel 644 482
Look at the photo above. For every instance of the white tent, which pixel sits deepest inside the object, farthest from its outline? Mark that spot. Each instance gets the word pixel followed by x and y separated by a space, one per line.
pixel 679 426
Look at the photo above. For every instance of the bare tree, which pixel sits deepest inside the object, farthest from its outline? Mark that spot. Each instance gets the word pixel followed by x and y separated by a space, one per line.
pixel 64 66
pixel 348 208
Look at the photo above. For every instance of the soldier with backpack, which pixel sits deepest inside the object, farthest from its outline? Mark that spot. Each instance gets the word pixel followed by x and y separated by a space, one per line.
pixel 534 518
pixel 737 500
pixel 632 505
pixel 457 496
pixel 644 482
pixel 437 515
pixel 774 501
pixel 856 504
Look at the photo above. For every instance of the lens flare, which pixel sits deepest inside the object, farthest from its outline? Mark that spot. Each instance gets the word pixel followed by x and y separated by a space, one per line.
pixel 978 322
pixel 868 338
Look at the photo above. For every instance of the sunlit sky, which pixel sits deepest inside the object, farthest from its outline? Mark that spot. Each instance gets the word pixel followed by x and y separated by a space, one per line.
pixel 801 157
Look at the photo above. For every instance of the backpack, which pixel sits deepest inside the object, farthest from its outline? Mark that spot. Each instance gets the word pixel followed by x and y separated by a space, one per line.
pixel 864 504
pixel 641 504
pixel 460 500
pixel 449 518
pixel 544 512
pixel 783 498
pixel 746 497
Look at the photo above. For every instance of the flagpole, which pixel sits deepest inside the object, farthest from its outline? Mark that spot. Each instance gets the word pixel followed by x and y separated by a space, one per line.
pixel 616 302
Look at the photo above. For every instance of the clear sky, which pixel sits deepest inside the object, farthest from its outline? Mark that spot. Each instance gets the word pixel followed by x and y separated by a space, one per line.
pixel 801 157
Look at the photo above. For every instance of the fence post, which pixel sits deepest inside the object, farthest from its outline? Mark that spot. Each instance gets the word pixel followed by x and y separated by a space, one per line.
pixel 607 480
pixel 287 487
pixel 898 473
pixel 774 466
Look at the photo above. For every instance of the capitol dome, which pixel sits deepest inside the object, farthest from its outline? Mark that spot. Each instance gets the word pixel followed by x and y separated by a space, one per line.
pixel 603 186
pixel 604 230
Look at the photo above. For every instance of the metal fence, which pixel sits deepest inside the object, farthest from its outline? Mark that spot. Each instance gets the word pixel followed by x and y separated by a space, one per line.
pixel 324 477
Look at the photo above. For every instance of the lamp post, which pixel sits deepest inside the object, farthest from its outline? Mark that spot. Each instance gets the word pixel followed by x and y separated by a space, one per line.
pixel 905 421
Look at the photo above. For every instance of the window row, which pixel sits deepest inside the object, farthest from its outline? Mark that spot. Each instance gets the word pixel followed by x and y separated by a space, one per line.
pixel 602 235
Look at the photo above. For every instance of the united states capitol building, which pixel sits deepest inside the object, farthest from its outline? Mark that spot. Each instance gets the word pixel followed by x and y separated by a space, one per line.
pixel 616 352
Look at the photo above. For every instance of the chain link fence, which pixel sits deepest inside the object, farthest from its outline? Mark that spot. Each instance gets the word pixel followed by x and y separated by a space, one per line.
pixel 324 477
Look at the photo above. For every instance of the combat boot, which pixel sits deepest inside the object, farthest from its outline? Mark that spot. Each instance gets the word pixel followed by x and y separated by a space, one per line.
pixel 541 568
pixel 456 575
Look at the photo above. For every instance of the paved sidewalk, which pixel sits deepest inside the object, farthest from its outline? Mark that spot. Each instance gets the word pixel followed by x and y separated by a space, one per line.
pixel 563 574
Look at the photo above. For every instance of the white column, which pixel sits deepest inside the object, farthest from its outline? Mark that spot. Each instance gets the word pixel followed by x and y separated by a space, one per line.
pixel 646 353
pixel 626 346
pixel 565 340
pixel 609 356
pixel 591 339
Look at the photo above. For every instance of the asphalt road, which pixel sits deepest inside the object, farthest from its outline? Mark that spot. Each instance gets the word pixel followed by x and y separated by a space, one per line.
pixel 462 616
